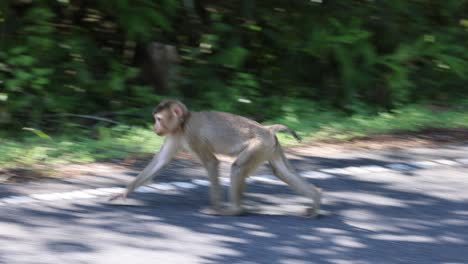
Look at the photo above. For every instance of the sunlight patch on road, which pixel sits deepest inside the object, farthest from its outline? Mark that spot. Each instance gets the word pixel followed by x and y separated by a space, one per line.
pixel 348 242
pixel 404 238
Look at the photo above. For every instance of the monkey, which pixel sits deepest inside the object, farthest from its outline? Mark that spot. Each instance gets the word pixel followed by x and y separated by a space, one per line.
pixel 207 134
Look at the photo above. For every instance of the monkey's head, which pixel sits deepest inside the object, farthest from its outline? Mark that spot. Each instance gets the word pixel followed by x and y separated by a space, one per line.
pixel 169 117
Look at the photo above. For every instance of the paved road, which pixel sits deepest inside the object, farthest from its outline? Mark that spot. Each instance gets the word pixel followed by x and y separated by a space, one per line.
pixel 406 206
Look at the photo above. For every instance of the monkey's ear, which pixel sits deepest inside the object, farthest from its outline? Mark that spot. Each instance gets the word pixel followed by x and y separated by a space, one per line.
pixel 177 110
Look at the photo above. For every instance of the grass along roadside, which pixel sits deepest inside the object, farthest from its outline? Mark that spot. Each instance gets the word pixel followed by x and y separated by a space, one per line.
pixel 121 142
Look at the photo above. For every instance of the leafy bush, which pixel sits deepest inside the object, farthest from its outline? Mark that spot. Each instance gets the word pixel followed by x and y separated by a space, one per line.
pixel 360 57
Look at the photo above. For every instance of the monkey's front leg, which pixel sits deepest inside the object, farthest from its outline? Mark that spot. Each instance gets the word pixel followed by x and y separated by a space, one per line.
pixel 168 150
pixel 211 164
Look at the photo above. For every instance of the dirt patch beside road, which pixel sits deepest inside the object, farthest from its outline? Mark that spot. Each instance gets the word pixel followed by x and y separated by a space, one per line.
pixel 399 140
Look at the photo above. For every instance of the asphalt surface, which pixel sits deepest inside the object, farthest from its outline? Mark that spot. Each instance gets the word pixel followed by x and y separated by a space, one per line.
pixel 400 206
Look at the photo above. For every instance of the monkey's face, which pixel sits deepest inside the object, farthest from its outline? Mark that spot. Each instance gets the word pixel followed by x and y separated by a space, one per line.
pixel 166 122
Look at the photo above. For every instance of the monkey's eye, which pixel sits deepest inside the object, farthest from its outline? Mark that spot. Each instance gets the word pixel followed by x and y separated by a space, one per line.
pixel 158 119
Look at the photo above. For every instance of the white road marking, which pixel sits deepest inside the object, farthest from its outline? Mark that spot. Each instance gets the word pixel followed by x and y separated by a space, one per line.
pixel 225 181
pixel 268 176
pixel 151 188
pixel 334 171
pixel 65 196
pixel 399 167
pixel 162 186
pixel 354 169
pixel 113 190
pixel 316 175
pixel 267 180
pixel 96 192
pixel 80 195
pixel 424 164
pixel 201 182
pixel 375 168
pixel 17 200
pixel 145 189
pixel 184 185
pixel 46 196
pixel 463 161
pixel 446 162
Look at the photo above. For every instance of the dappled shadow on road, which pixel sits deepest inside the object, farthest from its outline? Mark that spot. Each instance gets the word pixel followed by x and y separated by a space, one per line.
pixel 379 218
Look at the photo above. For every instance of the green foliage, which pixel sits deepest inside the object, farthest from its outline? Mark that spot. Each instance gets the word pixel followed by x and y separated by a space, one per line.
pixel 137 19
pixel 112 143
pixel 317 124
pixel 50 64
pixel 360 57
pixel 312 121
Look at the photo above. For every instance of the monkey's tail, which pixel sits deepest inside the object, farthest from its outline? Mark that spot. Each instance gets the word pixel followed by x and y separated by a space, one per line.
pixel 283 128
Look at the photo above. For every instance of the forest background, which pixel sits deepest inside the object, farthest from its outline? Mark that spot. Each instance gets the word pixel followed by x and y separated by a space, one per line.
pixel 79 78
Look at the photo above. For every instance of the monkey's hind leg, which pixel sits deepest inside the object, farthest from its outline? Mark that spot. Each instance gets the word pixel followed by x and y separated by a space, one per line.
pixel 283 170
